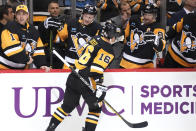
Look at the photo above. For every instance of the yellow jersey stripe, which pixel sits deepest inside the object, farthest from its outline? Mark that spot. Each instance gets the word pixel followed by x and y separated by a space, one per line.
pixel 60 109
pixel 91 121
pixel 57 117
pixel 39 18
pixel 36 54
pixel 178 59
pixel 63 34
pixel 129 65
pixel 93 113
pixel 3 67
pixel 104 5
pixel 18 50
pixel 78 65
pixel 94 70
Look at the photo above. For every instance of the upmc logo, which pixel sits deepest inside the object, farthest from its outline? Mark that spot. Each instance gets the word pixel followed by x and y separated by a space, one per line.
pixel 18 107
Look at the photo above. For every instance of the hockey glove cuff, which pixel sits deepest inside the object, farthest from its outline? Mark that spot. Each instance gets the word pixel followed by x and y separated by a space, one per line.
pixel 100 92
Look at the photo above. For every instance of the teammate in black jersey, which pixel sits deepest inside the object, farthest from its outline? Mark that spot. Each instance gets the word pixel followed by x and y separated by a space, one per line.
pixel 144 37
pixel 75 33
pixel 95 58
pixel 181 52
pixel 21 44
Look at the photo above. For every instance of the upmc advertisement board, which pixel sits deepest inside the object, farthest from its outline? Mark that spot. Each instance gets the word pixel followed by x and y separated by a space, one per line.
pixel 164 98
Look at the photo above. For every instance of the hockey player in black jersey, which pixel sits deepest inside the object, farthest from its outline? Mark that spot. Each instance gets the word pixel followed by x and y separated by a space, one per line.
pixel 182 50
pixel 95 58
pixel 143 38
pixel 48 34
pixel 21 44
pixel 76 32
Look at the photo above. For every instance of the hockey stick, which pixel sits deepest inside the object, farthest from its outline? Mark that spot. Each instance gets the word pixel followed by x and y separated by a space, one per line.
pixel 51 48
pixel 158 58
pixel 132 125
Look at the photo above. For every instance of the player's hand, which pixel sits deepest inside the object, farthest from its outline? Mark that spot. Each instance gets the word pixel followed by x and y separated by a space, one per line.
pixel 52 23
pixel 100 92
pixel 46 68
pixel 30 60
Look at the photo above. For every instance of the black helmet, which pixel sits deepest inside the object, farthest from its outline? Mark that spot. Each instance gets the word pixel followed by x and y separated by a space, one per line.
pixel 110 30
pixel 89 9
pixel 149 8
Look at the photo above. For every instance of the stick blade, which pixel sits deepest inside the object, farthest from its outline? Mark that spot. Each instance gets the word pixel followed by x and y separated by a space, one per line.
pixel 137 125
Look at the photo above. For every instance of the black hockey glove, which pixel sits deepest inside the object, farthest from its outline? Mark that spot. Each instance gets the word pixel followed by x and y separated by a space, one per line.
pixel 52 23
pixel 100 92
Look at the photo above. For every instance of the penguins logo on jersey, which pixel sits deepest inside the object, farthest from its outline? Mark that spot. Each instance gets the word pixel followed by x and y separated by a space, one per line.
pixel 79 40
pixel 187 42
pixel 136 39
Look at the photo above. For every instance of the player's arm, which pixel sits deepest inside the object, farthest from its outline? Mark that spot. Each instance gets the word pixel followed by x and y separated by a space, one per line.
pixel 44 34
pixel 126 32
pixel 133 23
pixel 100 62
pixel 102 4
pixel 136 5
pixel 13 48
pixel 39 54
pixel 173 30
pixel 85 57
pixel 63 33
pixel 58 29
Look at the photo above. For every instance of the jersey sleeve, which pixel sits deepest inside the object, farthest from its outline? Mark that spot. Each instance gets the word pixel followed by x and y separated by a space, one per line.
pixel 126 32
pixel 103 5
pixel 176 28
pixel 94 58
pixel 135 5
pixel 85 57
pixel 100 63
pixel 13 48
pixel 39 54
pixel 57 36
pixel 63 34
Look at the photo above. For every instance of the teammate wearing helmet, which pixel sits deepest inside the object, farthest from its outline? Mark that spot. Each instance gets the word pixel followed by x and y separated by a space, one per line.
pixel 143 37
pixel 95 58
pixel 75 33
